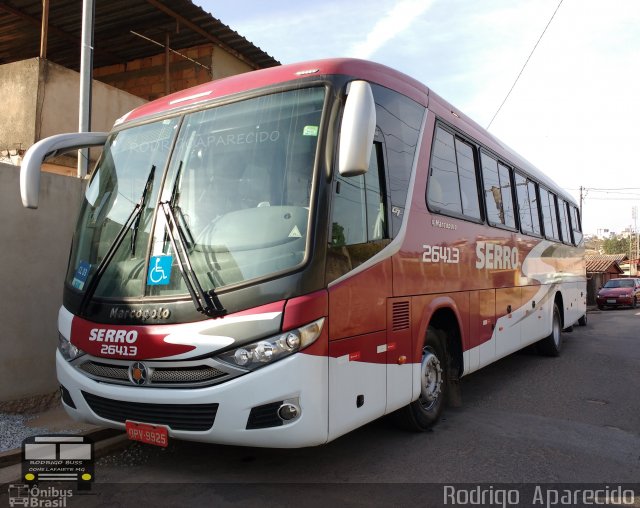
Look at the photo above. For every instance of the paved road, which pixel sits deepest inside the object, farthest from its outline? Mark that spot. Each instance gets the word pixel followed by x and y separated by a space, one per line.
pixel 527 418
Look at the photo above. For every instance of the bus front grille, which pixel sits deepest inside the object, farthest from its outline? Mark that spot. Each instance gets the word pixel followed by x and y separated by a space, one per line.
pixel 182 374
pixel 190 417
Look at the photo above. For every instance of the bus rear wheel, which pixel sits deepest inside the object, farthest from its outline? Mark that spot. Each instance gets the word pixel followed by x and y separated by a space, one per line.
pixel 552 344
pixel 424 413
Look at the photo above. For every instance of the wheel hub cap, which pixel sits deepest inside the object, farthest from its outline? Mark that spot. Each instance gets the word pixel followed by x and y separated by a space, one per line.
pixel 431 385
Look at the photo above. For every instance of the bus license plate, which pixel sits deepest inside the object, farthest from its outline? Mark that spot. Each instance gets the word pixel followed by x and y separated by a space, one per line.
pixel 151 434
pixel 611 300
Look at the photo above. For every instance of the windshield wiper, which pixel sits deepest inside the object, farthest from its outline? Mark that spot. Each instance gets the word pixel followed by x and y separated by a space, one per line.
pixel 173 203
pixel 132 220
pixel 143 203
pixel 206 302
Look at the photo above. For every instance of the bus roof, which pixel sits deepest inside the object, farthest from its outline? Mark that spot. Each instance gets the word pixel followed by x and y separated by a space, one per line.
pixel 358 69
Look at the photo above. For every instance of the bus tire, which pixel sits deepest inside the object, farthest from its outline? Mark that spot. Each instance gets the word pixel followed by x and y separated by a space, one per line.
pixel 552 344
pixel 424 413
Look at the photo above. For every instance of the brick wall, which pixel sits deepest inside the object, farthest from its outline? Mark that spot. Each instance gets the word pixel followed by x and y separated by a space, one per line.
pixel 145 77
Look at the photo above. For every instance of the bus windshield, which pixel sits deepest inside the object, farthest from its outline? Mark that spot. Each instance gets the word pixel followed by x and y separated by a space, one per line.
pixel 236 178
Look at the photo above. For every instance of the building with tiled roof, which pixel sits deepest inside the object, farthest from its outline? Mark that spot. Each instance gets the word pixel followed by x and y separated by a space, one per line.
pixel 601 268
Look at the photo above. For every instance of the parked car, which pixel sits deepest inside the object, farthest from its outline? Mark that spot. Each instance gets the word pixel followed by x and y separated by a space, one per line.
pixel 619 292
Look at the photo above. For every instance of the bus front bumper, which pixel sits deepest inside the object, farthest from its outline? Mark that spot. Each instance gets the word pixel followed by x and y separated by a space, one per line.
pixel 246 412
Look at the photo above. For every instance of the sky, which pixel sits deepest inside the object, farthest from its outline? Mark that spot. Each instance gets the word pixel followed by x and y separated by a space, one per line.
pixel 573 113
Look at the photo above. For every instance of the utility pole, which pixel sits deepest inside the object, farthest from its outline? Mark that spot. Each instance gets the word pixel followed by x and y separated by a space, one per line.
pixel 581 219
pixel 86 75
pixel 634 215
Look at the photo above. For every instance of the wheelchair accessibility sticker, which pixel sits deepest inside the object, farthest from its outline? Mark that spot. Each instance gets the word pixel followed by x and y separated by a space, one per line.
pixel 159 270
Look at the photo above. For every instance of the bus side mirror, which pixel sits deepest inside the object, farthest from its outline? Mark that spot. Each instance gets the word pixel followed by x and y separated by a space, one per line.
pixel 49 147
pixel 357 130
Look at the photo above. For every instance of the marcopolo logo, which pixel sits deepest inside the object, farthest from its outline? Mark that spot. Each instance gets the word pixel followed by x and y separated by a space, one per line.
pixel 144 314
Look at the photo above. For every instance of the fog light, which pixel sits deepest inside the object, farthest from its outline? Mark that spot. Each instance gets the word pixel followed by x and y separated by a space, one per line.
pixel 288 412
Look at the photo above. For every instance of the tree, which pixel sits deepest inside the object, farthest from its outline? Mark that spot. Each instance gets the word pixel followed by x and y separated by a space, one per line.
pixel 616 245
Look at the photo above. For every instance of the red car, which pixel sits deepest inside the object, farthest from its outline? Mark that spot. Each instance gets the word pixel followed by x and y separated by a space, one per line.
pixel 617 292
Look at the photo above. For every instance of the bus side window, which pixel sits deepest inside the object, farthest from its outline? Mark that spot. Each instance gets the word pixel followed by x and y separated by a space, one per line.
pixel 523 203
pixel 468 179
pixel 535 212
pixel 528 205
pixel 497 189
pixel 564 221
pixel 399 121
pixel 575 225
pixel 507 196
pixel 443 190
pixel 554 215
pixel 453 183
pixel 547 206
pixel 359 219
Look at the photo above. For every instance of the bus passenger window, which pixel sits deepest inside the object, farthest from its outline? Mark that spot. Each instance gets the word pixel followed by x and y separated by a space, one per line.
pixel 548 214
pixel 564 221
pixel 535 212
pixel 452 183
pixel 554 215
pixel 497 189
pixel 527 204
pixel 468 179
pixel 523 203
pixel 575 225
pixel 443 190
pixel 507 196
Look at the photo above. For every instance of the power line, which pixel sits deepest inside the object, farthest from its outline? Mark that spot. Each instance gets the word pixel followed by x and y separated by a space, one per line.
pixel 525 64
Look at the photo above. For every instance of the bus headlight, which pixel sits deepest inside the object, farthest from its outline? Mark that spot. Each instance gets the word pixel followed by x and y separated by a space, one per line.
pixel 68 350
pixel 266 351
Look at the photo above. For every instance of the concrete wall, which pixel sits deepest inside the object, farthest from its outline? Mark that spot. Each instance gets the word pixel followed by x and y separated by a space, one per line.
pixel 19 92
pixel 40 98
pixel 59 110
pixel 33 262
pixel 224 64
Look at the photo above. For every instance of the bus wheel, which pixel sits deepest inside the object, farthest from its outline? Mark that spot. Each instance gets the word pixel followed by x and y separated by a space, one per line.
pixel 422 414
pixel 552 344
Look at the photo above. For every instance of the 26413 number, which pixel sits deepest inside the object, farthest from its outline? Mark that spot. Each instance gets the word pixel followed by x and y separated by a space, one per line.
pixel 438 254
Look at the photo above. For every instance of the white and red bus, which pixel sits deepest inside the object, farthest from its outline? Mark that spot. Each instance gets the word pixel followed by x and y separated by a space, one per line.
pixel 279 257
